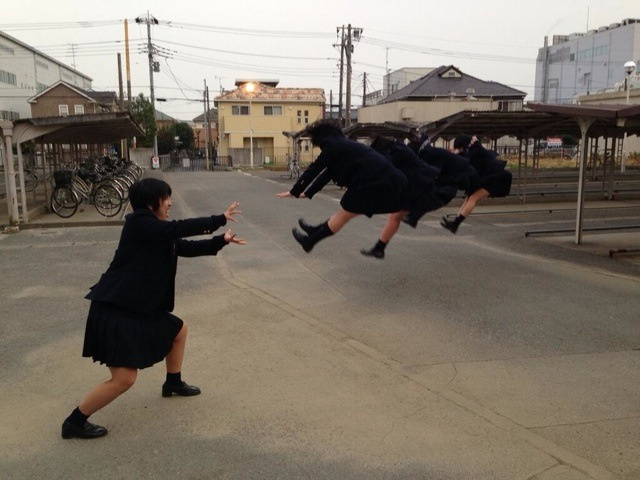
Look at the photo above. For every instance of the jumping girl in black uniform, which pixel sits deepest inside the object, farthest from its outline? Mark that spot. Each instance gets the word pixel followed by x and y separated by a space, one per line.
pixel 493 179
pixel 455 173
pixel 422 193
pixel 373 185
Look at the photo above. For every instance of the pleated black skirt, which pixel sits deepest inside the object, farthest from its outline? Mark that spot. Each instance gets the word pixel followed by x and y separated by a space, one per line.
pixel 382 194
pixel 498 185
pixel 119 337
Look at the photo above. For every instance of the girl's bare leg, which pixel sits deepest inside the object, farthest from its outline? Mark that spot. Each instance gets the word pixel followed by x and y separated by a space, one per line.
pixel 472 200
pixel 176 354
pixel 340 219
pixel 393 223
pixel 122 379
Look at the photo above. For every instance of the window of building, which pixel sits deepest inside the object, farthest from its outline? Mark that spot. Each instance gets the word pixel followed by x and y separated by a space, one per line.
pixel 509 105
pixel 78 109
pixel 9 115
pixel 272 110
pixel 240 110
pixel 303 117
pixel 7 49
pixel 7 77
pixel 41 87
pixel 63 110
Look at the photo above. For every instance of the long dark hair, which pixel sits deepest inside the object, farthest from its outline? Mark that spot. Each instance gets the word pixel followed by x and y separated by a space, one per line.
pixel 148 192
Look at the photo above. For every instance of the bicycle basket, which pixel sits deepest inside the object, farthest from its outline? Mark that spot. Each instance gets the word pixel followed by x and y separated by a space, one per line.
pixel 62 178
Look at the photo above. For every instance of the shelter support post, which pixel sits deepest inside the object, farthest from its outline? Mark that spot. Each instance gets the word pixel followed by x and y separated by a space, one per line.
pixel 23 190
pixel 585 124
pixel 10 174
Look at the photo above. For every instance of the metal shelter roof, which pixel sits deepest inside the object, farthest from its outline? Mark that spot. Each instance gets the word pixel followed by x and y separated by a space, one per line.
pixel 542 120
pixel 90 128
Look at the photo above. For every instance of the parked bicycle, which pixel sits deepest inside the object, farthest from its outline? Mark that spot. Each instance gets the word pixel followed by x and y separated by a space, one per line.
pixel 75 186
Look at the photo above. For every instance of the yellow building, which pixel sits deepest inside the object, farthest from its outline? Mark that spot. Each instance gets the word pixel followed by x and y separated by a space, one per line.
pixel 257 113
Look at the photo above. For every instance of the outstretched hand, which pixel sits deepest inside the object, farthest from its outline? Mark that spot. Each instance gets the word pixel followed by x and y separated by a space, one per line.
pixel 231 211
pixel 230 237
pixel 289 194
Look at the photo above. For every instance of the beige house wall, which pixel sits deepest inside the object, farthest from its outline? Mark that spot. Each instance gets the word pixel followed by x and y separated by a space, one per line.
pixel 48 104
pixel 235 130
pixel 420 111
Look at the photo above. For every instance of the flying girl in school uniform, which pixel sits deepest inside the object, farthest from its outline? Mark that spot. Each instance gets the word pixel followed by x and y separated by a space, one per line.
pixel 373 185
pixel 493 179
pixel 422 193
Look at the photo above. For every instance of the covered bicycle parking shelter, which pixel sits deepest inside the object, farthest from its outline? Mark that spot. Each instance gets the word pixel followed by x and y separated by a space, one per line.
pixel 75 130
pixel 592 122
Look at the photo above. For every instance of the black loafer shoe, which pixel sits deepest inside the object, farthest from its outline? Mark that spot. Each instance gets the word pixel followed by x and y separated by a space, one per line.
pixel 88 430
pixel 451 226
pixel 302 240
pixel 373 253
pixel 183 390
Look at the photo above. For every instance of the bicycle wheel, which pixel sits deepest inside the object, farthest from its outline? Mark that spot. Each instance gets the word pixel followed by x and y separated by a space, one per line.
pixel 64 202
pixel 107 200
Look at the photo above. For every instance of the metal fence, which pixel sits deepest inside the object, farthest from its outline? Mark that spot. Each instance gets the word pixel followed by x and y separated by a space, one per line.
pixel 170 163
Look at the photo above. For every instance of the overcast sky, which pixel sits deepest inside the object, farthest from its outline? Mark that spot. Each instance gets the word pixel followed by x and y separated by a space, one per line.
pixel 293 40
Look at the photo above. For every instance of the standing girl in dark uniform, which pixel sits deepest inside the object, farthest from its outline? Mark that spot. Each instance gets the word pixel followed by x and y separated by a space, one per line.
pixel 422 193
pixel 494 180
pixel 130 326
pixel 373 184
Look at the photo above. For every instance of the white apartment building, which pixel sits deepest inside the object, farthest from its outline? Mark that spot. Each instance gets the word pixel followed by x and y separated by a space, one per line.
pixel 584 63
pixel 25 72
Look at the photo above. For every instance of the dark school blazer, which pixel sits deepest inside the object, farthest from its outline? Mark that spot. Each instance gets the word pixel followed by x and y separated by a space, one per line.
pixel 141 276
pixel 346 162
pixel 455 170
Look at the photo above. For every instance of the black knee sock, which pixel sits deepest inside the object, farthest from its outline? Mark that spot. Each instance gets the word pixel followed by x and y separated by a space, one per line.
pixel 322 232
pixel 308 228
pixel 174 378
pixel 77 418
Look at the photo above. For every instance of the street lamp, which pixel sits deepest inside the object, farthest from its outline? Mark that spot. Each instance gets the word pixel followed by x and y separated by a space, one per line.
pixel 629 68
pixel 250 87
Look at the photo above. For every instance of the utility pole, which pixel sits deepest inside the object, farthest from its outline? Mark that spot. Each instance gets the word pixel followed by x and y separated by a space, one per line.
pixel 352 33
pixel 206 124
pixel 153 67
pixel 123 141
pixel 341 29
pixel 127 63
pixel 364 90
pixel 348 99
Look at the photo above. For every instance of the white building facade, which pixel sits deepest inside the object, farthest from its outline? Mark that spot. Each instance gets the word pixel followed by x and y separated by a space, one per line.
pixel 25 72
pixel 583 63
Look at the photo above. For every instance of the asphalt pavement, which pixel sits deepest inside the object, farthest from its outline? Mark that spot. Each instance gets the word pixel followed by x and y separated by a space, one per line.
pixel 483 355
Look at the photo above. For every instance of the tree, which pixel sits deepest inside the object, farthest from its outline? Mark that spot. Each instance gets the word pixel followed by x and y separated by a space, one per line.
pixel 167 138
pixel 185 133
pixel 142 112
pixel 166 142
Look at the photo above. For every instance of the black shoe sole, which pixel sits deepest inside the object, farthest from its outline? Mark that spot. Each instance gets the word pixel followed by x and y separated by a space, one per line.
pixel 169 392
pixel 372 253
